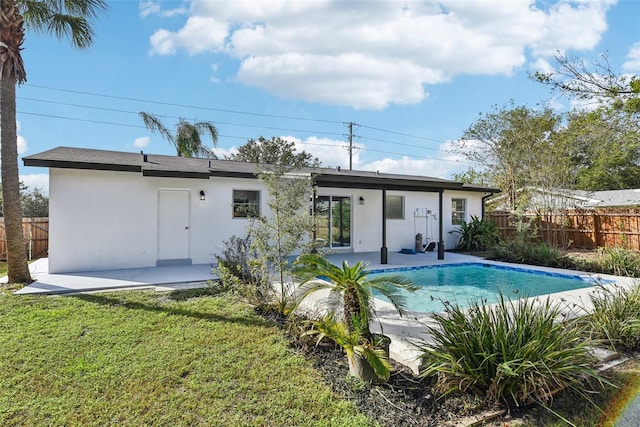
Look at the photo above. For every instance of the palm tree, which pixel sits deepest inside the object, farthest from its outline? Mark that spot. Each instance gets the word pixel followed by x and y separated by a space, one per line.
pixel 187 140
pixel 60 18
pixel 351 288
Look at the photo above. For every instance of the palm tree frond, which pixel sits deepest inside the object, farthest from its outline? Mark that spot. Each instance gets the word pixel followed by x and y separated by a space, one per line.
pixel 75 27
pixel 377 359
pixel 68 18
pixel 154 124
pixel 391 286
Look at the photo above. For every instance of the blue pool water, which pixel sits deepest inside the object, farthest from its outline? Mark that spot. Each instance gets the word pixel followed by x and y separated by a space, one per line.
pixel 461 283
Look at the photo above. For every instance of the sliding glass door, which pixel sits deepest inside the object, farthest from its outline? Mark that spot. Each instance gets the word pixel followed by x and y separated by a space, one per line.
pixel 333 220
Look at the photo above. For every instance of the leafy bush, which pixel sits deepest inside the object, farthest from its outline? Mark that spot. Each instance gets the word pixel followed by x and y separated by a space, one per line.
pixel 477 235
pixel 616 316
pixel 515 352
pixel 239 272
pixel 521 252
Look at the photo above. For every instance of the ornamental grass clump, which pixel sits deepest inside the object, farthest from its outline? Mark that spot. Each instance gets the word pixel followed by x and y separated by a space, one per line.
pixel 515 352
pixel 619 261
pixel 615 317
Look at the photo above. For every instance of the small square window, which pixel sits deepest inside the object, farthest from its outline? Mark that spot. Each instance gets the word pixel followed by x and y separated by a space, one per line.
pixel 246 203
pixel 395 207
pixel 458 211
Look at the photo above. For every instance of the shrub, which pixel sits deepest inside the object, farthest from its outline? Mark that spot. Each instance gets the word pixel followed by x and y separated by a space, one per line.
pixel 239 273
pixel 477 235
pixel 515 352
pixel 521 252
pixel 619 261
pixel 616 316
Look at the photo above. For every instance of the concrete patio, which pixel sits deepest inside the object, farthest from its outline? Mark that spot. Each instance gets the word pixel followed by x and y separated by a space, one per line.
pixel 160 278
pixel 188 276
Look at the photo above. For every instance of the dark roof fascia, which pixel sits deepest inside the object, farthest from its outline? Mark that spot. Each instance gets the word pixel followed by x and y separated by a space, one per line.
pixel 467 187
pixel 174 174
pixel 61 164
pixel 230 174
pixel 397 184
pixel 374 186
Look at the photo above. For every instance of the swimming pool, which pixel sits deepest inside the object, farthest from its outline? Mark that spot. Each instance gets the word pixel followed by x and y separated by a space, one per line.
pixel 460 283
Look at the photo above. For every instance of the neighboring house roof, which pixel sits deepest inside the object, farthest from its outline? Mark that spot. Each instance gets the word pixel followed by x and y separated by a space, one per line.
pixel 614 198
pixel 577 199
pixel 185 167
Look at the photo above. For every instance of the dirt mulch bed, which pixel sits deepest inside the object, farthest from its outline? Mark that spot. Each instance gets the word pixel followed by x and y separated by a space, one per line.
pixel 403 401
pixel 409 401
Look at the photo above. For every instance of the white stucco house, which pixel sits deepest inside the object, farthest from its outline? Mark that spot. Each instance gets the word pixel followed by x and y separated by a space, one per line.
pixel 111 210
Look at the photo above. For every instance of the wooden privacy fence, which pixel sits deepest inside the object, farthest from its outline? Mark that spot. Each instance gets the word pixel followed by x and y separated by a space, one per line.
pixel 36 238
pixel 580 228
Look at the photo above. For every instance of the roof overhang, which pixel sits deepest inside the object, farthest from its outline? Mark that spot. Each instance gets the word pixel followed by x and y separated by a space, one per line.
pixel 190 168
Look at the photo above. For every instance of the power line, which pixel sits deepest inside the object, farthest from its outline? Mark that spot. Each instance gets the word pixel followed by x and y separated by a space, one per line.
pixel 350 147
pixel 177 118
pixel 402 134
pixel 172 104
pixel 239 112
pixel 404 144
pixel 350 135
pixel 235 136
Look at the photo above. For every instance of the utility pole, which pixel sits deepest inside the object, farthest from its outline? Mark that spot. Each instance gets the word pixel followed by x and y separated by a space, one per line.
pixel 350 145
pixel 350 135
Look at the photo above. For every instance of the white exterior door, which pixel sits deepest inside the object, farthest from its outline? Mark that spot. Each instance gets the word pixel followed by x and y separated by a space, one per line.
pixel 173 226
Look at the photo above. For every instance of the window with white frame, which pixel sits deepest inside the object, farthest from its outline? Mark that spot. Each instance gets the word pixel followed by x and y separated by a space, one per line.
pixel 458 210
pixel 395 207
pixel 246 203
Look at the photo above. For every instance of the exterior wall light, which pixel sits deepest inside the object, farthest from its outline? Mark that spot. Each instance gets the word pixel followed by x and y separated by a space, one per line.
pixel 202 195
pixel 361 200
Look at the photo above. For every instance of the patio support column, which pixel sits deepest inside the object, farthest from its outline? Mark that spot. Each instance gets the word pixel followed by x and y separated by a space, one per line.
pixel 383 249
pixel 314 233
pixel 441 231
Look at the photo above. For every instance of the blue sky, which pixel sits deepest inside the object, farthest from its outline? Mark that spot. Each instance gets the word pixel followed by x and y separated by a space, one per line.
pixel 412 75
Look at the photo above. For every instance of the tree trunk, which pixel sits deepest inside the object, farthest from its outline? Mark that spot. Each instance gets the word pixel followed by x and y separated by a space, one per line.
pixel 18 269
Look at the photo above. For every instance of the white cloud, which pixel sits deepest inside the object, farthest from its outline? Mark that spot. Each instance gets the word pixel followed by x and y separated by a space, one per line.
pixel 341 53
pixel 22 144
pixel 333 153
pixel 214 70
pixel 542 65
pixel 200 34
pixel 222 153
pixel 443 165
pixel 141 142
pixel 632 65
pixel 22 141
pixel 576 25
pixel 150 7
pixel 39 180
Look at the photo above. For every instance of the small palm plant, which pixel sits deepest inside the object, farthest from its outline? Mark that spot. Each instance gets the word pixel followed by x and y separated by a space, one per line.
pixel 351 295
pixel 357 348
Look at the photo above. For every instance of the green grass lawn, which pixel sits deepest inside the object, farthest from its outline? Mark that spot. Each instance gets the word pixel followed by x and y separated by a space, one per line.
pixel 141 358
